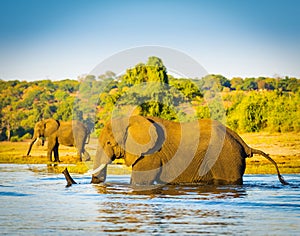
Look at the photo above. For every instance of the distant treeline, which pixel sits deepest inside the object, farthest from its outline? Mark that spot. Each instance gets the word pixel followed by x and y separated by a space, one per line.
pixel 245 105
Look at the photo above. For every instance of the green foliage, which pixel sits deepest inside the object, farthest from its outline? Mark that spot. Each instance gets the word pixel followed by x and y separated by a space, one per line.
pixel 153 71
pixel 15 139
pixel 188 88
pixel 24 103
pixel 203 112
pixel 269 111
pixel 146 87
pixel 215 82
pixel 286 84
pixel 65 110
pixel 249 114
pixel 236 83
pixel 245 105
pixel 69 86
pixel 249 84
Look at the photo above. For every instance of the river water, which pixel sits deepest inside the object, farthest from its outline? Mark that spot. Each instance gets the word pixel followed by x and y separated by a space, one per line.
pixel 37 202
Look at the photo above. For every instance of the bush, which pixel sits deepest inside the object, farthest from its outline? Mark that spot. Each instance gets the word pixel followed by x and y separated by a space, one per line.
pixel 14 139
pixel 26 136
pixel 264 111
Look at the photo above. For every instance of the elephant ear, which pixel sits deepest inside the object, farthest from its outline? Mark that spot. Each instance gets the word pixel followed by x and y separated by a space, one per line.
pixel 141 139
pixel 50 126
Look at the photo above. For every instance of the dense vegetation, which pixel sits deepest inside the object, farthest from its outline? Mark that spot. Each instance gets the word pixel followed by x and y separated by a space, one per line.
pixel 246 105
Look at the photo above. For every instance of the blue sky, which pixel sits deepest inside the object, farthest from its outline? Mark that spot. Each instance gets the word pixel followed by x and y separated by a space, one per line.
pixel 64 39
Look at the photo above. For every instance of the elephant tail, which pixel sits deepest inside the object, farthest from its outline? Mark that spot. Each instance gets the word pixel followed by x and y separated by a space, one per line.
pixel 259 152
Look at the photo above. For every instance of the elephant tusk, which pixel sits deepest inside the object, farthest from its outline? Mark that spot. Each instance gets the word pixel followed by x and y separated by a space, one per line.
pixel 101 167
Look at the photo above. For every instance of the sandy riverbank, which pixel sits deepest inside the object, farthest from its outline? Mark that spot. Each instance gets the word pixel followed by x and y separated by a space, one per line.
pixel 283 148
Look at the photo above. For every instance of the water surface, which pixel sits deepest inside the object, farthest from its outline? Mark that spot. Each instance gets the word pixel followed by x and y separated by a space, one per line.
pixel 37 202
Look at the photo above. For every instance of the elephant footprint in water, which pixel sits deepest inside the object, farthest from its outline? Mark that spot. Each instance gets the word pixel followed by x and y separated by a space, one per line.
pixel 71 133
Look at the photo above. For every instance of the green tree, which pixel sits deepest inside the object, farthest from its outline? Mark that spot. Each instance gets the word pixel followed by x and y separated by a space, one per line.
pixel 186 87
pixel 293 85
pixel 153 71
pixel 67 85
pixel 215 82
pixel 236 83
pixel 250 114
pixel 249 84
pixel 65 110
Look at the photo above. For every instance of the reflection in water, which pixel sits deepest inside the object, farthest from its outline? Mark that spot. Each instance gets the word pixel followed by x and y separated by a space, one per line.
pixel 162 218
pixel 203 192
pixel 49 168
pixel 168 209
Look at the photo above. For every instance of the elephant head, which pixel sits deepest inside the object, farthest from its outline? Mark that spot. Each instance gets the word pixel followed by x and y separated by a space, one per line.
pixel 43 129
pixel 120 139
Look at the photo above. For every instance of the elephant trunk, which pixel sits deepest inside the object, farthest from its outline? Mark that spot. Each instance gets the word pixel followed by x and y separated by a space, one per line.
pixel 31 144
pixel 68 177
pixel 99 174
pixel 102 159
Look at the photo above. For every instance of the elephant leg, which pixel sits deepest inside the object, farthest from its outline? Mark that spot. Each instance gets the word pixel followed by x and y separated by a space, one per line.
pixel 79 154
pixel 51 147
pixel 49 155
pixel 86 155
pixel 146 171
pixel 30 146
pixel 79 144
pixel 228 172
pixel 55 150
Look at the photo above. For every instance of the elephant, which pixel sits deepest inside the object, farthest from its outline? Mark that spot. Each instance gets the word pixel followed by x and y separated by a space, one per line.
pixel 167 152
pixel 69 133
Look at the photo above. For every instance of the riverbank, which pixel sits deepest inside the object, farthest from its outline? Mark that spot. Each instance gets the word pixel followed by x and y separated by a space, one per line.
pixel 283 148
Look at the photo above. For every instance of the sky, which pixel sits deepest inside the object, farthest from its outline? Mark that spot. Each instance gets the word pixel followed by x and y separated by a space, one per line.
pixel 59 39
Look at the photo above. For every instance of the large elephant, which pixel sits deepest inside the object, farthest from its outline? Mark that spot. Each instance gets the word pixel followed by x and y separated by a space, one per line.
pixel 161 151
pixel 70 133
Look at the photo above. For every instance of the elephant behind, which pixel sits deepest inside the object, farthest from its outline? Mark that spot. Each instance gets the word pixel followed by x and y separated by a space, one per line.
pixel 70 133
pixel 162 151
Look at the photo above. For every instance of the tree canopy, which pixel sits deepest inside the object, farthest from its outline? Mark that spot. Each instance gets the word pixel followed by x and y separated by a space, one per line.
pixel 244 104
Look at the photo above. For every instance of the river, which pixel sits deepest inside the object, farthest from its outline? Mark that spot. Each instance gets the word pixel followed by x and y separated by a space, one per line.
pixel 36 202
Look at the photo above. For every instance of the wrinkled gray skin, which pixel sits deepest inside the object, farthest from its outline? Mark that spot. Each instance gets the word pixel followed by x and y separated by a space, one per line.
pixel 162 151
pixel 71 133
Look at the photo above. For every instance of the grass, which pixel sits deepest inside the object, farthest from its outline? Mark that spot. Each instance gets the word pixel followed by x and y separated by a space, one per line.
pixel 15 153
pixel 283 148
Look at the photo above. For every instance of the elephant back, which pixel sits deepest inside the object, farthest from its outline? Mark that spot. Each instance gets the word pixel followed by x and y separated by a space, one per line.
pixel 50 126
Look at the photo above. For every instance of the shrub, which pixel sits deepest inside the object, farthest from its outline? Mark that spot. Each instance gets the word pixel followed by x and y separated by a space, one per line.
pixel 14 139
pixel 26 136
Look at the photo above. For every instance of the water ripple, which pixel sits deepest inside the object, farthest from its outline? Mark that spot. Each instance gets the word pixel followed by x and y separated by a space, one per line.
pixel 38 203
